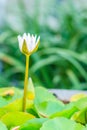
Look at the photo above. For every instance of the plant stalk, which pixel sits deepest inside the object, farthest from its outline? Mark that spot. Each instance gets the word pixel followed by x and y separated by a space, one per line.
pixel 26 83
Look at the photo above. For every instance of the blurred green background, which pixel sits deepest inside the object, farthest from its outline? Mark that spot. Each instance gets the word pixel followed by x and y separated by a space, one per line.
pixel 61 60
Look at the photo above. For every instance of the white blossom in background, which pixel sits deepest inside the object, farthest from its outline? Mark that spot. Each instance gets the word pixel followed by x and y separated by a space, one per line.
pixel 28 43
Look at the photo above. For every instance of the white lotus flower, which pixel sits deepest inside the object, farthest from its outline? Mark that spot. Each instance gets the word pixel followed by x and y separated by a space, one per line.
pixel 28 43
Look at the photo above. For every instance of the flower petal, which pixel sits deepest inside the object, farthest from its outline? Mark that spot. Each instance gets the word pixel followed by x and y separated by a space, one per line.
pixel 38 39
pixel 20 39
pixel 28 43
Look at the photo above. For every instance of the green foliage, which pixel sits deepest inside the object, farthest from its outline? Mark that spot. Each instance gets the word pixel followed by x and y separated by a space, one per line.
pixel 12 119
pixel 66 112
pixel 2 126
pixel 61 60
pixel 42 113
pixel 43 105
pixel 34 124
pixel 61 124
pixel 80 116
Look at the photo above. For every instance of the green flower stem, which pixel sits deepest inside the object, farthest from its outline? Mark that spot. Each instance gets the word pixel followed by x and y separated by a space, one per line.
pixel 26 83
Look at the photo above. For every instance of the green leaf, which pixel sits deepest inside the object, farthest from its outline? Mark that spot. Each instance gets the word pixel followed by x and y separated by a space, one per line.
pixel 65 113
pixel 81 103
pixel 3 126
pixel 45 100
pixel 80 116
pixel 9 94
pixel 3 102
pixel 61 124
pixel 47 108
pixel 33 124
pixel 15 106
pixel 12 119
pixel 42 94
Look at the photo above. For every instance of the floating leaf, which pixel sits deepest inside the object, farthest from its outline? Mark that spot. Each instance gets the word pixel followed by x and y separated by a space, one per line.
pixel 81 103
pixel 15 106
pixel 45 103
pixel 80 116
pixel 47 108
pixel 33 124
pixel 3 126
pixel 8 95
pixel 12 119
pixel 3 102
pixel 65 113
pixel 61 124
pixel 78 96
pixel 42 94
